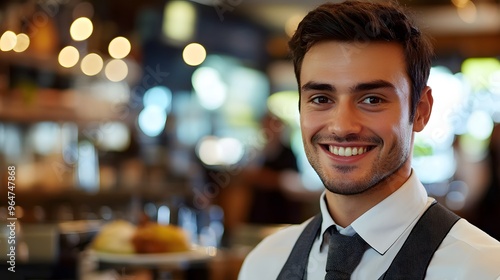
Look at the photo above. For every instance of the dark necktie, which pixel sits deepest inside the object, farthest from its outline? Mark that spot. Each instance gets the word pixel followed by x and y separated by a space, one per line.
pixel 344 254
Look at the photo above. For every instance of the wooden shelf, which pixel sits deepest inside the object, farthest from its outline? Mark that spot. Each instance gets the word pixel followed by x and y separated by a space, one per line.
pixel 47 62
pixel 61 106
pixel 22 101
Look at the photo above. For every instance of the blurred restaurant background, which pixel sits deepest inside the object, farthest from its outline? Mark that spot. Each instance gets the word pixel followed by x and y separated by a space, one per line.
pixel 153 110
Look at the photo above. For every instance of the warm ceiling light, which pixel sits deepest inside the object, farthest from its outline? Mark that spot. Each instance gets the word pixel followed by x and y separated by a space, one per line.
pixel 23 42
pixel 68 57
pixel 179 18
pixel 460 3
pixel 119 47
pixel 81 29
pixel 92 64
pixel 468 13
pixel 194 54
pixel 116 70
pixel 8 41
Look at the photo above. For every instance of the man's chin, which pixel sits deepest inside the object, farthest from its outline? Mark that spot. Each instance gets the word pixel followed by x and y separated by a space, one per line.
pixel 347 184
pixel 348 190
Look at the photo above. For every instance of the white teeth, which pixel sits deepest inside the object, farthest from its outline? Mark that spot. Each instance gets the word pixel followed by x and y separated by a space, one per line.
pixel 347 151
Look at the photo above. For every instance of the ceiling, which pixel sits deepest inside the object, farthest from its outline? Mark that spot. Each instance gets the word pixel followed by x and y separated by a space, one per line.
pixel 440 18
pixel 480 37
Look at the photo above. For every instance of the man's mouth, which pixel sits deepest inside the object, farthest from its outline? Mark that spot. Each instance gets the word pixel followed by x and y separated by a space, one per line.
pixel 348 151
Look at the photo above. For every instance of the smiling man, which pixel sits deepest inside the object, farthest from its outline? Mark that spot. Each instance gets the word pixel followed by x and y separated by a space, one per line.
pixel 362 70
pixel 355 122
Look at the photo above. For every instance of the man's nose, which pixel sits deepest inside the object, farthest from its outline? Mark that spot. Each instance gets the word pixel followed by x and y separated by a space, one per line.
pixel 344 120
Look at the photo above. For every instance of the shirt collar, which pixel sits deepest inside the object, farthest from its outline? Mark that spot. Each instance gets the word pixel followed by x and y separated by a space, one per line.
pixel 384 223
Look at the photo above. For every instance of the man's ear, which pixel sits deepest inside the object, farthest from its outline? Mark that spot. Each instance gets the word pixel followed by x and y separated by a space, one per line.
pixel 423 110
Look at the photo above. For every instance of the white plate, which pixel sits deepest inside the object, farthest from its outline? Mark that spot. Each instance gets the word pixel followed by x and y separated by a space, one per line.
pixel 193 255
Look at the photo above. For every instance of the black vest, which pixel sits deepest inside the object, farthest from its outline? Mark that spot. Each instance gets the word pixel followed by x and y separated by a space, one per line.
pixel 423 241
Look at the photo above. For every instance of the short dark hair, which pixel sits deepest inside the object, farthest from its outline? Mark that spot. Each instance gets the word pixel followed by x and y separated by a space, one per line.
pixel 356 21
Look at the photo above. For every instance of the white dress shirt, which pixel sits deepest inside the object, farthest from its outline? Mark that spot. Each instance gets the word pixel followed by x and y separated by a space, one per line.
pixel 466 252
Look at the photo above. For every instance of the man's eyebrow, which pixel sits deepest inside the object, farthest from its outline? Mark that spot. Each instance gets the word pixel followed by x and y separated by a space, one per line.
pixel 371 85
pixel 317 86
pixel 376 84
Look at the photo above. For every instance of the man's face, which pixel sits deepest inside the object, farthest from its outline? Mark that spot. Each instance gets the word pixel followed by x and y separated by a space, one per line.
pixel 354 114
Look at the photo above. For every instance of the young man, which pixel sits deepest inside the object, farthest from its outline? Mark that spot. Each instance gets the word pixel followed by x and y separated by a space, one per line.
pixel 362 70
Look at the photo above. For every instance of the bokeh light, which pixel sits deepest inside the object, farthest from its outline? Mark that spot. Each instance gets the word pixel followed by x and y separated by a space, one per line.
pixel 480 125
pixel 467 13
pixel 92 64
pixel 160 96
pixel 68 57
pixel 194 54
pixel 115 137
pixel 209 87
pixel 119 47
pixel 179 18
pixel 284 104
pixel 152 120
pixel 8 41
pixel 44 137
pixel 22 43
pixel 116 70
pixel 81 29
pixel 220 151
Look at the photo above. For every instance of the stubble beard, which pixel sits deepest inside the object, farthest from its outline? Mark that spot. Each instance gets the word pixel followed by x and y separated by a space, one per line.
pixel 381 170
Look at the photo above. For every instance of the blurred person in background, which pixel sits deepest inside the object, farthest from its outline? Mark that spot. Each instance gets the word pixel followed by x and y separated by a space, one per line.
pixel 488 208
pixel 266 177
pixel 362 70
pixel 259 193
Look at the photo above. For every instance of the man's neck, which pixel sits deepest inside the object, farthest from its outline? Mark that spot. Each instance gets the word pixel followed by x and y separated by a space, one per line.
pixel 345 209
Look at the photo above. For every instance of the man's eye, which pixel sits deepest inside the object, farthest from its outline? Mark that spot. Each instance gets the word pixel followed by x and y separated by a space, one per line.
pixel 372 100
pixel 320 99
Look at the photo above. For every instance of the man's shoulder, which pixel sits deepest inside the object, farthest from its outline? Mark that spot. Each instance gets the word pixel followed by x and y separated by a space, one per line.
pixel 469 237
pixel 470 251
pixel 268 257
